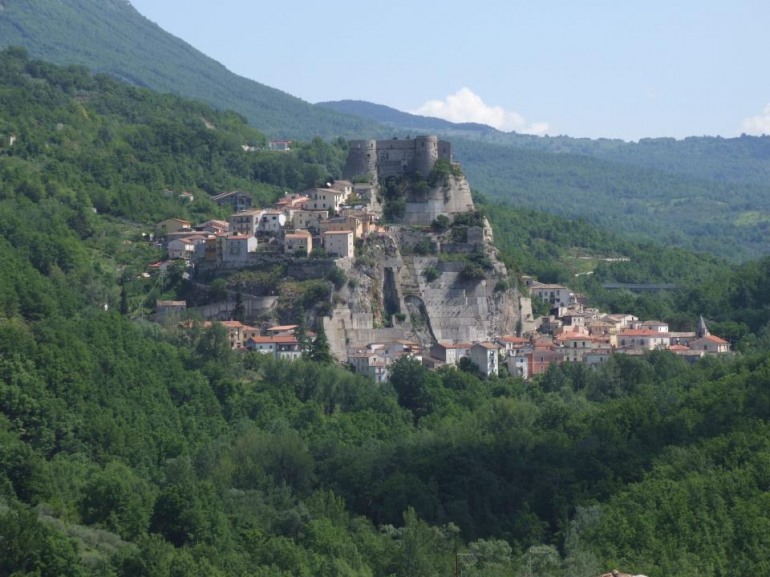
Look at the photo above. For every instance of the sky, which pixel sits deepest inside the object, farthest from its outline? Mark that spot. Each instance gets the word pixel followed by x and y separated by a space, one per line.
pixel 626 69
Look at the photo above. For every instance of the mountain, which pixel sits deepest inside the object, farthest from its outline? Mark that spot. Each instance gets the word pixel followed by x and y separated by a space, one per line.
pixel 701 193
pixel 112 37
pixel 745 159
pixel 404 121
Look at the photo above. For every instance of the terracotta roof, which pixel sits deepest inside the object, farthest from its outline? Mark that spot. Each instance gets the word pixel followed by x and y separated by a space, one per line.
pixel 514 340
pixel 488 345
pixel 455 345
pixel 282 328
pixel 714 339
pixel 642 333
pixel 678 348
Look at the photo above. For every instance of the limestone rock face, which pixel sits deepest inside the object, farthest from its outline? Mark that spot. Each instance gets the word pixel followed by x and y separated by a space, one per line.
pixel 452 198
pixel 412 282
pixel 425 298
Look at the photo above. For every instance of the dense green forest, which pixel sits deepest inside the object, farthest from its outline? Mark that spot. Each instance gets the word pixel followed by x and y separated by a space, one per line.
pixel 129 448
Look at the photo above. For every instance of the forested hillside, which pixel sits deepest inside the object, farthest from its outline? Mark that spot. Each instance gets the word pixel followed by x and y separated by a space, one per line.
pixel 129 448
pixel 111 37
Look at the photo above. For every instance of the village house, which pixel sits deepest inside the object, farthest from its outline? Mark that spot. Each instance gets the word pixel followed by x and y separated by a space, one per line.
pixel 375 359
pixel 236 200
pixel 236 249
pixel 450 353
pixel 485 356
pixel 214 226
pixel 237 332
pixel 264 344
pixel 279 145
pixel 369 363
pixel 299 241
pixel 339 243
pixel 575 346
pixel 271 222
pixel 171 225
pixel 534 359
pixel 325 199
pixel 184 247
pixel 246 221
pixel 554 294
pixel 339 223
pixel 658 326
pixel 292 201
pixel 511 343
pixel 641 339
pixel 281 330
pixel 344 186
pixel 309 219
pixel 619 321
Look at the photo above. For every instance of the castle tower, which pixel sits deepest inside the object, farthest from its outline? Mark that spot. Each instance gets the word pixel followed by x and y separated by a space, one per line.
pixel 425 154
pixel 361 161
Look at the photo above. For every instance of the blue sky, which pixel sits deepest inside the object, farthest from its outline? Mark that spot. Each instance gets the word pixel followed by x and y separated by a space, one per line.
pixel 591 68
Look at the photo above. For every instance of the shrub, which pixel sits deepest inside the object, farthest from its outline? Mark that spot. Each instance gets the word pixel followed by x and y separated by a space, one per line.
pixel 472 272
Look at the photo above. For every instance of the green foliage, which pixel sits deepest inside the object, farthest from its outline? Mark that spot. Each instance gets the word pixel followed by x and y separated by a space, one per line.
pixel 54 31
pixel 472 272
pixel 131 449
pixel 431 273
pixel 32 548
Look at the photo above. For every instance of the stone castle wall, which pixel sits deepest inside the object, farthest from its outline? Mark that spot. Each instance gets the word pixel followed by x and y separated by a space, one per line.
pixel 380 159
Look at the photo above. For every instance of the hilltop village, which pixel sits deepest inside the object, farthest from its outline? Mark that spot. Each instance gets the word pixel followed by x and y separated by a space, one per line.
pixel 427 285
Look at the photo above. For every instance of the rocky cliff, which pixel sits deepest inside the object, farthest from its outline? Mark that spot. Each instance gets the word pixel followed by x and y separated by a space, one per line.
pixel 419 284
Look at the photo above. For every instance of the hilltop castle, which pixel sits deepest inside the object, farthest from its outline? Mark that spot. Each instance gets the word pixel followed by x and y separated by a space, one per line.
pixel 380 159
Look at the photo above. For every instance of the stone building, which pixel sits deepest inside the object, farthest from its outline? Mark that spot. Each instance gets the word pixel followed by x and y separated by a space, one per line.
pixel 380 159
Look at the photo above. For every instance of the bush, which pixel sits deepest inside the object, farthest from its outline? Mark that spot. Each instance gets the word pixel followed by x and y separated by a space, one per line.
pixel 337 277
pixel 472 272
pixel 441 223
pixel 424 247
pixel 431 273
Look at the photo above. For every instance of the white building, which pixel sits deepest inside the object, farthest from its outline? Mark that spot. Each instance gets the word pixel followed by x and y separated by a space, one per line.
pixel 485 356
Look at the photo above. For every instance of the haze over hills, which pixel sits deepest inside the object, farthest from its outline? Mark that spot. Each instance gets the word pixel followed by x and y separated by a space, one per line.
pixel 701 193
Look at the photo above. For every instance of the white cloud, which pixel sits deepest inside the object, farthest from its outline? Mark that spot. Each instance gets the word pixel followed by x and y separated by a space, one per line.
pixel 759 124
pixel 466 106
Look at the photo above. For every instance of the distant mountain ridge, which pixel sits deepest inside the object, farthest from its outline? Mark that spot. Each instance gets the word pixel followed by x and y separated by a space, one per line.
pixel 112 37
pixel 744 159
pixel 402 120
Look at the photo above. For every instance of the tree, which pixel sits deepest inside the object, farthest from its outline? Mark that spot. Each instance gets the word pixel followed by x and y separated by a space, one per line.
pixel 30 547
pixel 119 500
pixel 124 308
pixel 319 350
pixel 239 311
